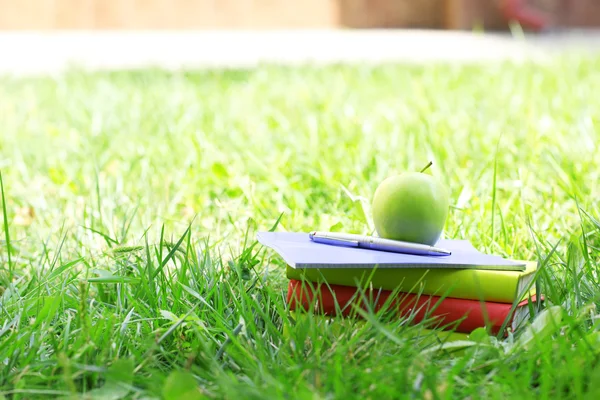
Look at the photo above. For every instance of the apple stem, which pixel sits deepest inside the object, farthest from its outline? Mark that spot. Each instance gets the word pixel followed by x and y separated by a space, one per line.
pixel 427 166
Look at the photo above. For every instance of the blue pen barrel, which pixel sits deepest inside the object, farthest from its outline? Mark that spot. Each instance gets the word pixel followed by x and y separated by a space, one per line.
pixel 338 242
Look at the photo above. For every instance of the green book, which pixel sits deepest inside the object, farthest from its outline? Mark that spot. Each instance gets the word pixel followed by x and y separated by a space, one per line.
pixel 486 285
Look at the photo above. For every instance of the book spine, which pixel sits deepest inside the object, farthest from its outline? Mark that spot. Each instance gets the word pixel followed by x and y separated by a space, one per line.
pixel 493 286
pixel 460 315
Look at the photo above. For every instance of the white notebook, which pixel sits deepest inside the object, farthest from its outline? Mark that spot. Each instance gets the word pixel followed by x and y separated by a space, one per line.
pixel 299 251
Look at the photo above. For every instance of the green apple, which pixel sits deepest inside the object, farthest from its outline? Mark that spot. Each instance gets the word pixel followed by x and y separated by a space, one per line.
pixel 412 207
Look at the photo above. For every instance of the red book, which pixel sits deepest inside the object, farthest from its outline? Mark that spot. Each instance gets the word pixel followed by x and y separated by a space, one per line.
pixel 459 314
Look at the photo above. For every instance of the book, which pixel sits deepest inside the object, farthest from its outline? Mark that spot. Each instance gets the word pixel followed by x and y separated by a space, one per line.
pixel 317 262
pixel 300 252
pixel 482 285
pixel 461 315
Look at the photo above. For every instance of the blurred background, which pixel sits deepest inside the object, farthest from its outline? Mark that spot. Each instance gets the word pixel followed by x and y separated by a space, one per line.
pixel 535 15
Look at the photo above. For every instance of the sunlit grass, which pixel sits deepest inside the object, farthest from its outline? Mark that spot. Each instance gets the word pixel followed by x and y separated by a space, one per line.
pixel 133 200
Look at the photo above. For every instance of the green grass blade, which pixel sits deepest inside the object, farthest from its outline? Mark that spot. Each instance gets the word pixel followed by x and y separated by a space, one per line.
pixel 6 231
pixel 171 253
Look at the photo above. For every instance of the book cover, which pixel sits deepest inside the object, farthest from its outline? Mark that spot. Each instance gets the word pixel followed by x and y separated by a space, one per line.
pixel 460 315
pixel 484 285
pixel 299 252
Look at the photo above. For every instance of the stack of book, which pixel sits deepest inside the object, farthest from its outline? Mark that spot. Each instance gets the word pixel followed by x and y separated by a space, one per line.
pixel 457 293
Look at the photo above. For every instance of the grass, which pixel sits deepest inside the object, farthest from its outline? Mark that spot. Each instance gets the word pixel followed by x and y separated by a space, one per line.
pixel 131 201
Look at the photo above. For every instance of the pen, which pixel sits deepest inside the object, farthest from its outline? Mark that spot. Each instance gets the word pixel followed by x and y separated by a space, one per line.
pixel 375 243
